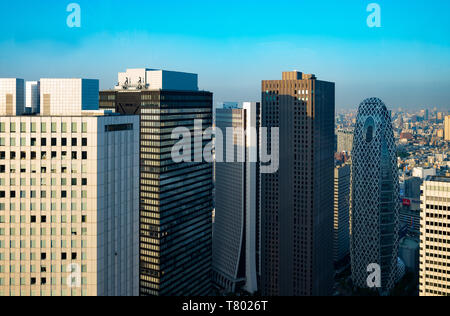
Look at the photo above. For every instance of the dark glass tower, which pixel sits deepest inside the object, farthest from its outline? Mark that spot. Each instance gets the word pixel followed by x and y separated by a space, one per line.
pixel 176 198
pixel 297 201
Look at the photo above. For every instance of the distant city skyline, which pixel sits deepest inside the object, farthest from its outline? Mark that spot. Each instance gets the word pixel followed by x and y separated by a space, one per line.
pixel 234 45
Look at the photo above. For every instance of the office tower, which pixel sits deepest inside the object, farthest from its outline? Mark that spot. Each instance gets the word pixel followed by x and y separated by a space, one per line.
pixel 67 96
pixel 375 196
pixel 341 213
pixel 447 128
pixel 297 200
pixel 176 198
pixel 435 237
pixel 344 141
pixel 236 241
pixel 69 204
pixel 32 96
pixel 12 97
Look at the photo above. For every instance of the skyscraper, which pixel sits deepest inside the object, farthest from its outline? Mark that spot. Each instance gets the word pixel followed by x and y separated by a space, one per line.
pixel 375 195
pixel 341 212
pixel 69 202
pixel 297 200
pixel 344 141
pixel 435 237
pixel 236 238
pixel 447 128
pixel 176 198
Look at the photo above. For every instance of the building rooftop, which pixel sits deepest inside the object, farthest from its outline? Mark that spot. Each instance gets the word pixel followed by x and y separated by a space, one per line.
pixel 445 179
pixel 93 113
pixel 156 79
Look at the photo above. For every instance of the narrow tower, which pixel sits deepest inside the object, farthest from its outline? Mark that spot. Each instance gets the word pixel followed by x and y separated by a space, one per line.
pixel 375 197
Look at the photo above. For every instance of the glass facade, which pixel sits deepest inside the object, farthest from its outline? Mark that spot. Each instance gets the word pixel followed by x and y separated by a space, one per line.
pixel 176 198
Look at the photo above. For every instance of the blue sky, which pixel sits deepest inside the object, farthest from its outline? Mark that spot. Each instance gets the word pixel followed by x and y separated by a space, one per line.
pixel 233 45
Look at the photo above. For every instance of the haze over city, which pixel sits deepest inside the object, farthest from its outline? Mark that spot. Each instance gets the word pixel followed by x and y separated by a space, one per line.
pixel 233 45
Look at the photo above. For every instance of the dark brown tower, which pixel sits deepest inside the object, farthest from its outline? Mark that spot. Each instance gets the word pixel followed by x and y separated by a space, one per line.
pixel 297 201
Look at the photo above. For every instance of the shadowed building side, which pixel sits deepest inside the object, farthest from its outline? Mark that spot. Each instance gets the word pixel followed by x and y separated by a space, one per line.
pixel 297 201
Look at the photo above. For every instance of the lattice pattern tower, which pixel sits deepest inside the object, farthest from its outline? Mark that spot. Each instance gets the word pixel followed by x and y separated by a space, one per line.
pixel 375 195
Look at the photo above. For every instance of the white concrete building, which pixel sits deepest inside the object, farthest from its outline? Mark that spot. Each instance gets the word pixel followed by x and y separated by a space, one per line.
pixel 69 202
pixel 423 173
pixel 68 96
pixel 12 99
pixel 434 275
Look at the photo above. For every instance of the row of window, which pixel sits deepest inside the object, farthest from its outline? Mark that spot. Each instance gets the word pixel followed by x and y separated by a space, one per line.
pixel 32 127
pixel 44 293
pixel 43 281
pixel 23 169
pixel 53 142
pixel 33 219
pixel 43 207
pixel 44 155
pixel 64 268
pixel 439 188
pixel 32 244
pixel 42 232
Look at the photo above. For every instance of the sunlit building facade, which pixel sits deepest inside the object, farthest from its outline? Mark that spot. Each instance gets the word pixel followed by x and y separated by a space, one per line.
pixel 435 237
pixel 69 204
